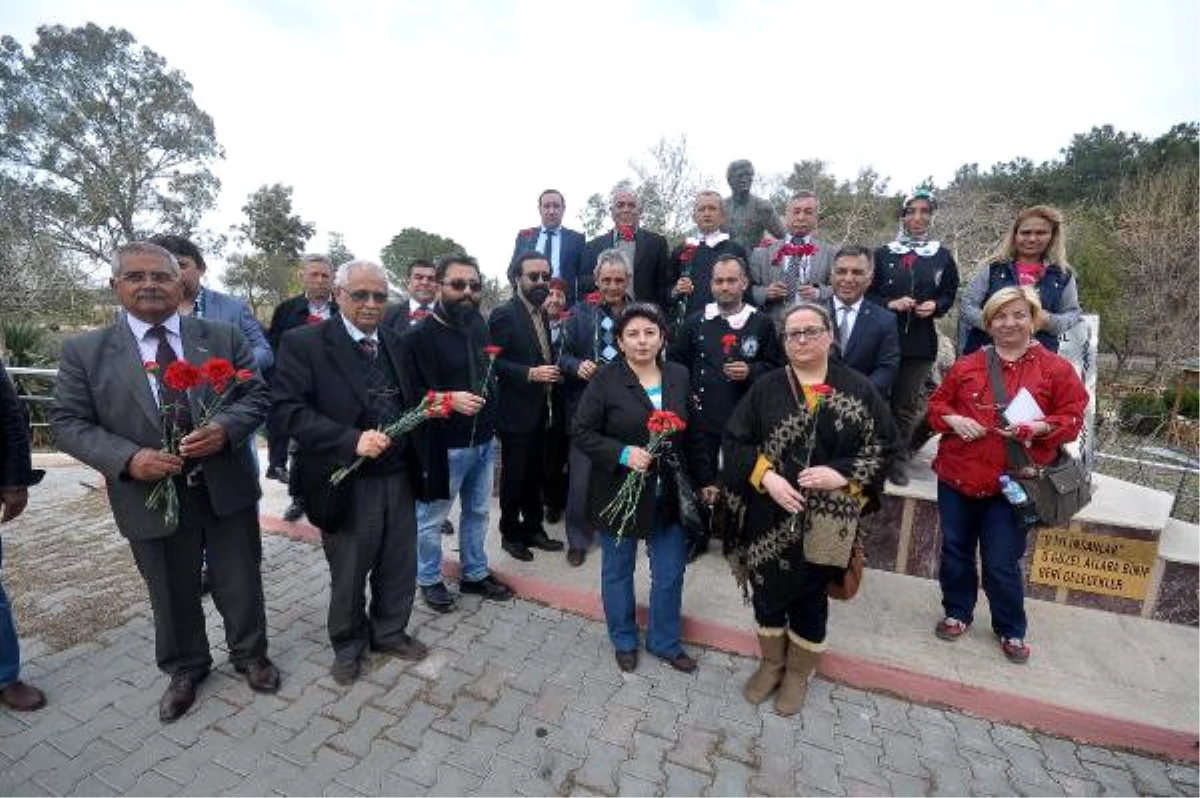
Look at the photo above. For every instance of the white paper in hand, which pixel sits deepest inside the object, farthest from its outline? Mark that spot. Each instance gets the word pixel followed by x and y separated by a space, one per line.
pixel 1023 409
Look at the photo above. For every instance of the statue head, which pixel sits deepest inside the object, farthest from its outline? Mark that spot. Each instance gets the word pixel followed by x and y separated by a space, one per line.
pixel 740 175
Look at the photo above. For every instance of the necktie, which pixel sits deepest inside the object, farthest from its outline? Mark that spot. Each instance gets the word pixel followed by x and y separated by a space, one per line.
pixel 369 347
pixel 844 312
pixel 549 253
pixel 176 402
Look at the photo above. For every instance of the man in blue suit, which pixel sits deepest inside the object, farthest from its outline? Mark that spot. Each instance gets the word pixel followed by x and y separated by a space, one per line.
pixel 868 340
pixel 205 303
pixel 563 247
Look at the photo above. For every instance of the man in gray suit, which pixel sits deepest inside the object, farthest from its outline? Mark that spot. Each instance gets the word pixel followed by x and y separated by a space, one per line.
pixel 107 414
pixel 795 268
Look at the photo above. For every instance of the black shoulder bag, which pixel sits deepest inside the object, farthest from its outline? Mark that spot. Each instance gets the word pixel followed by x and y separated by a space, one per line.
pixel 1058 490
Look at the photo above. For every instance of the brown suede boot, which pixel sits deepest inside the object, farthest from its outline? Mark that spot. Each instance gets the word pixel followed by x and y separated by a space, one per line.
pixel 773 644
pixel 801 663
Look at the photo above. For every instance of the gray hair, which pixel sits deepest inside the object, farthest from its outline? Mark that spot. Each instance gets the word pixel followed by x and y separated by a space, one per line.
pixel 315 257
pixel 143 248
pixel 611 257
pixel 343 272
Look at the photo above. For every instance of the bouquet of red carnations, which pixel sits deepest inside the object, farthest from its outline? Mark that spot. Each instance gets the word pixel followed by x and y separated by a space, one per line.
pixel 621 510
pixel 435 404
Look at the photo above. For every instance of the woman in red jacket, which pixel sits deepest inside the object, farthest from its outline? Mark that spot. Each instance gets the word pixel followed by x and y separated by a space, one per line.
pixel 972 455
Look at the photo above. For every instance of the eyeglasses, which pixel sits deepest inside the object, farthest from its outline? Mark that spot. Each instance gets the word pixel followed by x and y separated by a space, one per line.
pixel 159 278
pixel 808 333
pixel 463 285
pixel 538 277
pixel 362 296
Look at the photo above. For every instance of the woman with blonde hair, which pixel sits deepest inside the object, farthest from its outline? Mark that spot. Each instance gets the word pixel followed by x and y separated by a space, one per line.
pixel 973 457
pixel 1033 254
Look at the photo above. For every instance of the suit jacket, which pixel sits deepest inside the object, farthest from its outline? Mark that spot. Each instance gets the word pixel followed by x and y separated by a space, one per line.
pixel 651 265
pixel 289 314
pixel 230 309
pixel 16 464
pixel 763 273
pixel 612 415
pixel 105 411
pixel 398 317
pixel 874 345
pixel 521 405
pixel 320 399
pixel 570 248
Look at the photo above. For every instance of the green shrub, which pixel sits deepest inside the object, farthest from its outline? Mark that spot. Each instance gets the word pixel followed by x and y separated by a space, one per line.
pixel 1142 413
pixel 1189 401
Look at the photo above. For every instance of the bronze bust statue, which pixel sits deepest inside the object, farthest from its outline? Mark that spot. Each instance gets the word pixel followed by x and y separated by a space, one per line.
pixel 748 217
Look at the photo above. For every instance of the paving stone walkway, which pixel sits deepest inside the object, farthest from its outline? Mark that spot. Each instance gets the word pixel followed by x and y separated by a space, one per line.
pixel 514 699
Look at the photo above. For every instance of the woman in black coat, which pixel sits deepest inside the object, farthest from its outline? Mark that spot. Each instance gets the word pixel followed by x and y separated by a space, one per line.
pixel 610 427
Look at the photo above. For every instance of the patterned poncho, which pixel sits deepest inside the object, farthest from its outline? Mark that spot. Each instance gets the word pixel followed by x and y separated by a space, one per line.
pixel 851 432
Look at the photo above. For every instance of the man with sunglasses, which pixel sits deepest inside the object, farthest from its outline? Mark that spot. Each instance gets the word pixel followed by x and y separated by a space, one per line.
pixel 526 371
pixel 446 352
pixel 336 384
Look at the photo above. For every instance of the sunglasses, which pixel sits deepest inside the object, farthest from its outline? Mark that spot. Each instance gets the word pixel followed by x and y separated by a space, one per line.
pixel 362 296
pixel 538 277
pixel 463 285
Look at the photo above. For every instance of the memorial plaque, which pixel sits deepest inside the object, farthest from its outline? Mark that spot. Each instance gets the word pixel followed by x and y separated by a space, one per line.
pixel 1103 564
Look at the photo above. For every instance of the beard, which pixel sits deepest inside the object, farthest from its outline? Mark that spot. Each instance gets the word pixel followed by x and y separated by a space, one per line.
pixel 537 294
pixel 460 311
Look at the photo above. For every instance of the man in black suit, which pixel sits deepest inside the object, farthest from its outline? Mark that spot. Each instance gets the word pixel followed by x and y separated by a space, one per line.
pixel 336 384
pixel 647 251
pixel 866 333
pixel 313 306
pixel 448 352
pixel 526 372
pixel 112 413
pixel 422 291
pixel 562 246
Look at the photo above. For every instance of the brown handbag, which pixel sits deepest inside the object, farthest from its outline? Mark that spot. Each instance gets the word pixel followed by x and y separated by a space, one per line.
pixel 852 579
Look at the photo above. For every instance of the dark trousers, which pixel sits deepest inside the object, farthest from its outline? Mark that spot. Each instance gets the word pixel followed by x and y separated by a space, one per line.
pixel 376 544
pixel 277 444
pixel 171 568
pixel 806 614
pixel 580 532
pixel 908 393
pixel 554 487
pixel 712 446
pixel 522 462
pixel 989 525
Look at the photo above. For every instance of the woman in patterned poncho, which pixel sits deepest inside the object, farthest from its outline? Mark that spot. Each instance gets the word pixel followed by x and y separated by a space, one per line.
pixel 807 450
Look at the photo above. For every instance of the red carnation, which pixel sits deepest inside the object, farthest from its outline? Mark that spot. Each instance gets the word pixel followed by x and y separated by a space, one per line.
pixel 492 351
pixel 182 375
pixel 764 242
pixel 822 391
pixel 664 421
pixel 625 231
pixel 313 318
pixel 908 259
pixel 529 232
pixel 806 250
pixel 728 342
pixel 417 315
pixel 150 366
pixel 217 372
pixel 244 374
pixel 687 253
pixel 593 298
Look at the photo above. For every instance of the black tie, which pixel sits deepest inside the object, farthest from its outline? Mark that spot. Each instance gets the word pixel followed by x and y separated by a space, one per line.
pixel 175 401
pixel 369 347
pixel 549 253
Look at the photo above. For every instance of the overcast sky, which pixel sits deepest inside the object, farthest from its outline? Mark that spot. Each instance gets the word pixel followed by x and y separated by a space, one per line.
pixel 452 116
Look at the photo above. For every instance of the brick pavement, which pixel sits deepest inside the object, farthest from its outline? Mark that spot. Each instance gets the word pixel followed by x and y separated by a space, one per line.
pixel 514 699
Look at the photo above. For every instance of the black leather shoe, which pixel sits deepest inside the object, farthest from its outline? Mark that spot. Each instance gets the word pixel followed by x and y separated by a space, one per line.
pixel 540 540
pixel 575 557
pixel 179 696
pixel 489 587
pixel 437 597
pixel 553 515
pixel 278 473
pixel 627 661
pixel 517 550
pixel 261 674
pixel 345 671
pixel 294 512
pixel 680 662
pixel 407 647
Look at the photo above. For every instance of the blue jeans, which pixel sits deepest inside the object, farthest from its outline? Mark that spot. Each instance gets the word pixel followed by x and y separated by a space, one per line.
pixel 667 548
pixel 471 474
pixel 989 525
pixel 10 651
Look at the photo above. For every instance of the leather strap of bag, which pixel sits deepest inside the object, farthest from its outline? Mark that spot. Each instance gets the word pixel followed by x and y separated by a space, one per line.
pixel 1017 459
